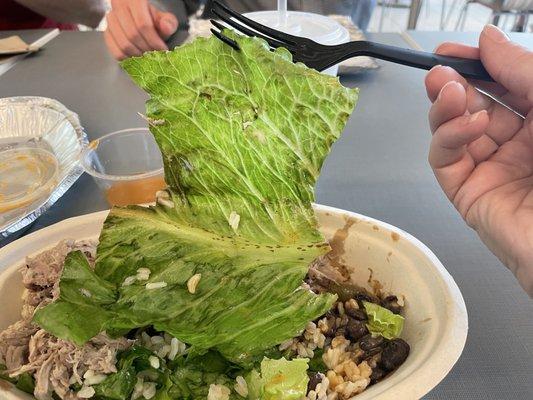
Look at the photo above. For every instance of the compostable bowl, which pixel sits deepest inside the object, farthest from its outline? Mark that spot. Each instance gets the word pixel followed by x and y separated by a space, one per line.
pixel 436 322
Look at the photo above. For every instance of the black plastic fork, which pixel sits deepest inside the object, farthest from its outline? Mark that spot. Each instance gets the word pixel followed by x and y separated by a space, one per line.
pixel 321 57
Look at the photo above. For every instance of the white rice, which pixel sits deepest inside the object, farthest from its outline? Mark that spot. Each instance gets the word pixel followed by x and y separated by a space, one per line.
pixel 163 351
pixel 149 390
pixel 94 379
pixel 144 271
pixel 192 283
pixel 218 392
pixel 233 220
pixel 138 389
pixel 157 339
pixel 174 348
pixel 86 392
pixel 154 362
pixel 241 387
pixel 155 285
pixel 129 280
pixel 143 274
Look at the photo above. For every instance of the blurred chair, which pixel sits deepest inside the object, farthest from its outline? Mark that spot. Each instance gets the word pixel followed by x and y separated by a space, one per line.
pixel 414 10
pixel 415 7
pixel 521 9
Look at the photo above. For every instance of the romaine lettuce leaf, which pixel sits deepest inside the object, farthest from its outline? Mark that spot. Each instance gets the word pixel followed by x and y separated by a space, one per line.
pixel 279 380
pixel 24 382
pixel 382 321
pixel 243 137
pixel 191 377
pixel 119 386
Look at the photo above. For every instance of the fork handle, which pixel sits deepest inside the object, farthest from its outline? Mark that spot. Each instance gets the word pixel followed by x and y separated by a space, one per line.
pixel 471 69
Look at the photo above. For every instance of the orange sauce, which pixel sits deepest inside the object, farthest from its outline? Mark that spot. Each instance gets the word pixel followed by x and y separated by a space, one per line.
pixel 135 192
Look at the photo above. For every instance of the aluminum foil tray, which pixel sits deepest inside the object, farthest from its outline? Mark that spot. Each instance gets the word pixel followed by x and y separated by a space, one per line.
pixel 43 123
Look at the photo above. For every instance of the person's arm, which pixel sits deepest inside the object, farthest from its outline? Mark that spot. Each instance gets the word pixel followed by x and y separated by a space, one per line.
pixel 86 12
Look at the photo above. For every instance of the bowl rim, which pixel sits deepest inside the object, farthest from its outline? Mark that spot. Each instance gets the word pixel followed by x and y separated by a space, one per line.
pixel 448 348
pixel 93 145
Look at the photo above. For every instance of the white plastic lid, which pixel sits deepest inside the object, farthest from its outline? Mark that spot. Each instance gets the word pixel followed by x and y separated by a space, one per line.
pixel 319 28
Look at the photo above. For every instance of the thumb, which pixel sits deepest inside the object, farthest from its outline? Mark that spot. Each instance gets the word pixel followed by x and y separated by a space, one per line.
pixel 165 23
pixel 507 62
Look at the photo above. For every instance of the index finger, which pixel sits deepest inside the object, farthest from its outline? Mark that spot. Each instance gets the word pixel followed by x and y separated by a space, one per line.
pixel 465 51
pixel 145 23
pixel 492 88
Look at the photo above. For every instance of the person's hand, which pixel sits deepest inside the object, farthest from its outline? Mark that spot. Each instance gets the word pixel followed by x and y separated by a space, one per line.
pixel 482 153
pixel 135 26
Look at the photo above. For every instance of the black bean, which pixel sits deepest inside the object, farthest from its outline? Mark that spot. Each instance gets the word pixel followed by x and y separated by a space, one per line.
pixel 391 303
pixel 368 343
pixel 340 331
pixel 357 314
pixel 374 360
pixel 357 354
pixel 374 351
pixel 314 379
pixel 394 354
pixel 355 329
pixel 377 375
pixel 365 297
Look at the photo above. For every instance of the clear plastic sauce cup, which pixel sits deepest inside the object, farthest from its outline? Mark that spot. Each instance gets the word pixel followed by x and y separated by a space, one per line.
pixel 127 165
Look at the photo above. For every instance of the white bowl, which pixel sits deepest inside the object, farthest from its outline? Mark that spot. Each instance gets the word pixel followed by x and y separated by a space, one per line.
pixel 436 321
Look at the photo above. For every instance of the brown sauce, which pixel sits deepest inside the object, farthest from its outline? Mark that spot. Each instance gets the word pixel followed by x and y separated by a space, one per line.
pixel 135 192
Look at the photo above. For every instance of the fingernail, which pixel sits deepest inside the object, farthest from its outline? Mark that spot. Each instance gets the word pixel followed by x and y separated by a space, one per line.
pixel 495 34
pixel 448 84
pixel 435 67
pixel 474 117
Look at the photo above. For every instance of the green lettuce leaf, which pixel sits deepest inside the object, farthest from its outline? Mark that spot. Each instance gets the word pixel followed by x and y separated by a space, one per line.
pixel 316 364
pixel 24 382
pixel 192 376
pixel 243 137
pixel 119 386
pixel 382 321
pixel 81 310
pixel 279 380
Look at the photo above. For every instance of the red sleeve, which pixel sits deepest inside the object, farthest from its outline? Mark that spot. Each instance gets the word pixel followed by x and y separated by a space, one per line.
pixel 15 16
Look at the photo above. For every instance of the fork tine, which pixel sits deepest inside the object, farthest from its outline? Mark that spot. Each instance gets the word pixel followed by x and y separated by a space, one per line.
pixel 273 42
pixel 217 25
pixel 283 37
pixel 225 39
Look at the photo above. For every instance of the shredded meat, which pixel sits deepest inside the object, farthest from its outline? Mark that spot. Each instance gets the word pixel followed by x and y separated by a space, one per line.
pixel 14 342
pixel 54 363
pixel 44 270
pixel 57 363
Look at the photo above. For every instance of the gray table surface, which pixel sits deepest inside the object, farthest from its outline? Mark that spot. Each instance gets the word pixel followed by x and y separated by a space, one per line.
pixel 378 168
